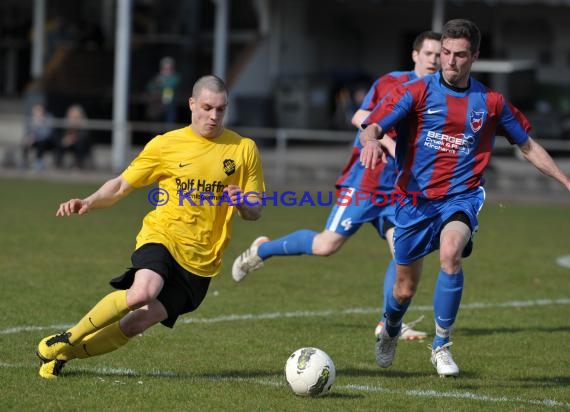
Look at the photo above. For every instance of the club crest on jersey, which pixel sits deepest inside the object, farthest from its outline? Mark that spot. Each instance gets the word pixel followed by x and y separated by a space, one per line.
pixel 476 120
pixel 229 166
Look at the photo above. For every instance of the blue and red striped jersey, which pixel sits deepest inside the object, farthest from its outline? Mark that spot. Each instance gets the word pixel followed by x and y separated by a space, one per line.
pixel 383 177
pixel 451 133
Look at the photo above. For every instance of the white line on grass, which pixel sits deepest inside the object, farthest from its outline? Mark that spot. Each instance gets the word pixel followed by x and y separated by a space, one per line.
pixel 313 314
pixel 456 395
pixel 351 311
pixel 417 393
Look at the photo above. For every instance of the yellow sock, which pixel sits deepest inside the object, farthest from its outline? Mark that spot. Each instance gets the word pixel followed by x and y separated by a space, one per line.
pixel 103 341
pixel 108 310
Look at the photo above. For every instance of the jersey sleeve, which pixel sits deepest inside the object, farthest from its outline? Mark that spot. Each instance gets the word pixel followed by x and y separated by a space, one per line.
pixel 253 180
pixel 371 97
pixel 393 108
pixel 146 168
pixel 378 91
pixel 513 124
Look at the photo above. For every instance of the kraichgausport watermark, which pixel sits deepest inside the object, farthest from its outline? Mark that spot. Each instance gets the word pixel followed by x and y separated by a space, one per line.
pixel 341 197
pixel 158 196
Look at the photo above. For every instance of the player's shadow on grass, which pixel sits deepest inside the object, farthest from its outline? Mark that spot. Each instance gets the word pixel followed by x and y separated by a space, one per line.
pixel 392 372
pixel 510 330
pixel 258 375
pixel 545 381
pixel 272 378
pixel 126 373
pixel 336 395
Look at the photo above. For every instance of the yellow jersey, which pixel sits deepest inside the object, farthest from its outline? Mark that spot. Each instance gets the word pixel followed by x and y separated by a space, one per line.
pixel 194 219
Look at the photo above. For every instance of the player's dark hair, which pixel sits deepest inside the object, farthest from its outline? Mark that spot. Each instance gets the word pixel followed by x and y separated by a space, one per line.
pixel 463 29
pixel 425 35
pixel 209 82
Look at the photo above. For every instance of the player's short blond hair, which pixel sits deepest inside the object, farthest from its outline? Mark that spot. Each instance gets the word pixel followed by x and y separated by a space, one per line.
pixel 209 82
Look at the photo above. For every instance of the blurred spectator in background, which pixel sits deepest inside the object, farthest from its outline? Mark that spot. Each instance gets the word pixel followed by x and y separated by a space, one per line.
pixel 162 92
pixel 342 109
pixel 38 135
pixel 34 94
pixel 358 96
pixel 347 101
pixel 74 139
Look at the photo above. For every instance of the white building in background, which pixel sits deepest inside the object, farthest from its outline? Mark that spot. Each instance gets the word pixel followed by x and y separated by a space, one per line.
pixel 310 40
pixel 284 60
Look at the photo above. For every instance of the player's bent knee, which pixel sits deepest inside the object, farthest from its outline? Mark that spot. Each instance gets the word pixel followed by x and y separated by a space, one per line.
pixel 450 259
pixel 145 288
pixel 325 249
pixel 325 244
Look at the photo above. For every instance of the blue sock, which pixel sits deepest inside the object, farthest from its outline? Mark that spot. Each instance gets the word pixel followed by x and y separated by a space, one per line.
pixel 389 281
pixel 296 243
pixel 446 300
pixel 394 314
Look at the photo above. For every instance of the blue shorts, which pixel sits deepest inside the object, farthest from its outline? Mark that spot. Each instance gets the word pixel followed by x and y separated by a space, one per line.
pixel 419 225
pixel 351 210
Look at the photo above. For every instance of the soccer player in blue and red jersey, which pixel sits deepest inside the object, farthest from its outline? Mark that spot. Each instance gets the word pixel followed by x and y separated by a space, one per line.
pixel 452 120
pixel 360 190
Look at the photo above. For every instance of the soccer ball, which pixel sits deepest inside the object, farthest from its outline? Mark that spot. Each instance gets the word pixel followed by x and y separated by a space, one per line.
pixel 310 372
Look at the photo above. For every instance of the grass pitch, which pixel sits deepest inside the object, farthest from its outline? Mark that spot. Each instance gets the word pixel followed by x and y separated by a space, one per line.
pixel 511 338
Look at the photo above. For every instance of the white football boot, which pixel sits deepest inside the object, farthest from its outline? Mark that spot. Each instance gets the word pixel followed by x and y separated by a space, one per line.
pixel 385 349
pixel 408 331
pixel 443 362
pixel 248 261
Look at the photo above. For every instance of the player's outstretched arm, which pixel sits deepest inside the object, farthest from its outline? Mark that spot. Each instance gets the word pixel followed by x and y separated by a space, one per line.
pixel 250 208
pixel 371 146
pixel 110 193
pixel 539 157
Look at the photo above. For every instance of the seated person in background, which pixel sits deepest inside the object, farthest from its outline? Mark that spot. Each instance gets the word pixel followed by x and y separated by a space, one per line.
pixel 75 138
pixel 38 135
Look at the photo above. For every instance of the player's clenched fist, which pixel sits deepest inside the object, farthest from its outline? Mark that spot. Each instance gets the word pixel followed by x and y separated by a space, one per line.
pixel 234 193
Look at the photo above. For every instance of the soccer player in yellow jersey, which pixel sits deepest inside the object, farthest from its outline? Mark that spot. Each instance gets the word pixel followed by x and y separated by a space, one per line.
pixel 204 173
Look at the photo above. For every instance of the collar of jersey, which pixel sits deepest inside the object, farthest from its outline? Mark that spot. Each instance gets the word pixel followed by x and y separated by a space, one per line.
pixel 451 87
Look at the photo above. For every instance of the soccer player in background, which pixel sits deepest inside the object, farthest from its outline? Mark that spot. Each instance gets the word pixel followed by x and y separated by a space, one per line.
pixel 181 243
pixel 452 119
pixel 345 219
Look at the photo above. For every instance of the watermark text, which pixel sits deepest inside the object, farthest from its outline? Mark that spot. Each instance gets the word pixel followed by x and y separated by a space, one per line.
pixel 340 197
